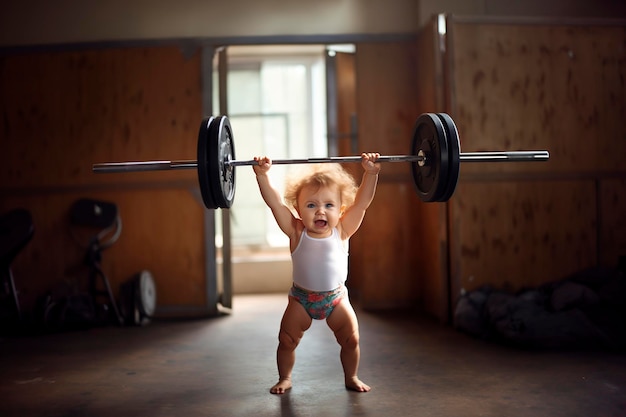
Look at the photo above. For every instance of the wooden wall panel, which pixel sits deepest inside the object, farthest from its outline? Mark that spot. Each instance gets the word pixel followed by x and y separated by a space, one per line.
pixel 169 242
pixel 521 234
pixel 612 220
pixel 346 101
pixel 552 87
pixel 386 102
pixel 536 86
pixel 64 111
pixel 382 253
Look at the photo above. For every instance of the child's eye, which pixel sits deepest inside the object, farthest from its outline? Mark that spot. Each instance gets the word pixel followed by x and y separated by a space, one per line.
pixel 310 205
pixel 330 205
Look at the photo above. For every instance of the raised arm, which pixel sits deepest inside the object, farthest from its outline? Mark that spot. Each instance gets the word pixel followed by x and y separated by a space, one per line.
pixel 284 217
pixel 352 218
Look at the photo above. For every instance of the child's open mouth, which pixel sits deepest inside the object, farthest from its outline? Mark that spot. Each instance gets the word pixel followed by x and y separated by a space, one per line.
pixel 320 223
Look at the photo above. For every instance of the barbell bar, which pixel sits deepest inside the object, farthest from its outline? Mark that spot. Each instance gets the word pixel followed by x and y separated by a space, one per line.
pixel 138 166
pixel 435 160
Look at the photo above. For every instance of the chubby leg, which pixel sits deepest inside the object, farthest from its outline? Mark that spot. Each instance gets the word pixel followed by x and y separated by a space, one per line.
pixel 292 327
pixel 344 324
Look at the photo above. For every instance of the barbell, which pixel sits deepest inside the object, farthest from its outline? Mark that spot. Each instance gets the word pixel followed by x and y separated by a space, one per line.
pixel 435 160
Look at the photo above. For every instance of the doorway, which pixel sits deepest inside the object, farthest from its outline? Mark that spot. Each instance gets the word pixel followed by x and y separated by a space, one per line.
pixel 284 101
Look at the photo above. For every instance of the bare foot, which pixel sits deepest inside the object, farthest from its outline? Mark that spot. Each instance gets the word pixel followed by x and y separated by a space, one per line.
pixel 281 387
pixel 355 384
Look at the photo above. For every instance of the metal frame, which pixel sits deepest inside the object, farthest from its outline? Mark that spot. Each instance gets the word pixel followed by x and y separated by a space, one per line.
pixel 191 44
pixel 225 301
pixel 210 251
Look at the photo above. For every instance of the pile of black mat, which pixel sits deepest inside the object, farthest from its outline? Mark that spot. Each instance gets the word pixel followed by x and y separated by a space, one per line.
pixel 585 310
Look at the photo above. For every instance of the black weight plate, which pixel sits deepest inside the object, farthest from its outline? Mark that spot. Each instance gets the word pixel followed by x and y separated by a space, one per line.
pixel 429 138
pixel 221 149
pixel 203 163
pixel 454 155
pixel 146 294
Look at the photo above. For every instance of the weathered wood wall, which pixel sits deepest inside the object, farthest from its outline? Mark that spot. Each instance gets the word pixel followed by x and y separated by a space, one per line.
pixel 382 253
pixel 559 87
pixel 63 111
pixel 514 85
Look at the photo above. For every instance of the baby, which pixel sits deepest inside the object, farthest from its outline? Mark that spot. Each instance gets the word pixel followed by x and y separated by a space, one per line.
pixel 319 214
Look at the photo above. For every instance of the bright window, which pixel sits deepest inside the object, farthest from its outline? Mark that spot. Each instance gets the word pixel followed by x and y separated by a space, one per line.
pixel 277 107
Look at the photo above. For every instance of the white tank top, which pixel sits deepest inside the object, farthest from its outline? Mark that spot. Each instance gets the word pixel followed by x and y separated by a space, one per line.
pixel 320 264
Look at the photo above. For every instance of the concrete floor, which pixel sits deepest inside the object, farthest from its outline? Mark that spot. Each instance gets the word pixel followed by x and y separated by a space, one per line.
pixel 225 367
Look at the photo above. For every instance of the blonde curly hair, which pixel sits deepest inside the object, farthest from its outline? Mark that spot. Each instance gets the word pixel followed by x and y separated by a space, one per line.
pixel 321 175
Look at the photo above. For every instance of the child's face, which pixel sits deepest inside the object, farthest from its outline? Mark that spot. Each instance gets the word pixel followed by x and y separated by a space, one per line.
pixel 320 208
